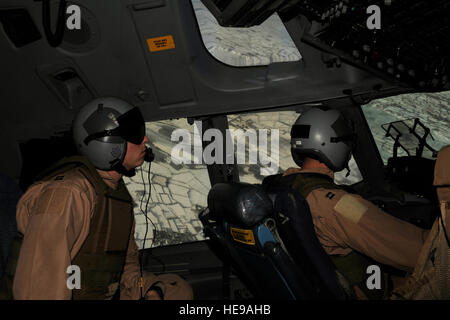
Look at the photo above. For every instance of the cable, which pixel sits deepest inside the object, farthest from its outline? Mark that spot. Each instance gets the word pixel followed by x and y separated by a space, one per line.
pixel 147 219
pixel 154 226
pixel 146 230
pixel 146 206
pixel 54 39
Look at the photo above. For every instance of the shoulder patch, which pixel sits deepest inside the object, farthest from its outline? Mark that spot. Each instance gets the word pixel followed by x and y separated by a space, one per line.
pixel 351 208
pixel 52 201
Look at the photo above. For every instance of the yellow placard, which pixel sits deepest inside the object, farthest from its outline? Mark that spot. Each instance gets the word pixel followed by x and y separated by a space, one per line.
pixel 243 236
pixel 161 43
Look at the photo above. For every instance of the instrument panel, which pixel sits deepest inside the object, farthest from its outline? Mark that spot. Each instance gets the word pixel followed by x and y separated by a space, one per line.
pixel 405 40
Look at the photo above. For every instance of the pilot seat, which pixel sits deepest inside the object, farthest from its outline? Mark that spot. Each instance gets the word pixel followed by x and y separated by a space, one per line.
pixel 269 237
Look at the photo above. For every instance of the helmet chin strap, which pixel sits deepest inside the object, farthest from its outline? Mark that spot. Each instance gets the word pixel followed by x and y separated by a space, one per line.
pixel 119 168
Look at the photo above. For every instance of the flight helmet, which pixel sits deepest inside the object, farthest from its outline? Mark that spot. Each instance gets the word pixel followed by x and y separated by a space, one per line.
pixel 102 128
pixel 323 134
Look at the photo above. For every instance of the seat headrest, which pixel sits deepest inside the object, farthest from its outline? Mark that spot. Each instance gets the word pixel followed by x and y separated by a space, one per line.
pixel 239 203
pixel 442 168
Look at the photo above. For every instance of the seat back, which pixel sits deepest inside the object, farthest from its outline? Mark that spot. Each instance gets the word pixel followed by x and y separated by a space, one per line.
pixel 296 230
pixel 241 219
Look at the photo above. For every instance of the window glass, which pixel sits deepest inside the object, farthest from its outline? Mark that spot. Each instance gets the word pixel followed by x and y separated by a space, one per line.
pixel 280 121
pixel 178 192
pixel 432 109
pixel 258 45
pixel 280 157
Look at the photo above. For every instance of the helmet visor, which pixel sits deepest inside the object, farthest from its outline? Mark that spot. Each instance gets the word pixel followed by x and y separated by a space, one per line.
pixel 132 126
pixel 300 131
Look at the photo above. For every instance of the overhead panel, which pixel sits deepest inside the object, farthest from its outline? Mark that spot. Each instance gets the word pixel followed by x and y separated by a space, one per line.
pixel 410 43
pixel 244 13
pixel 164 51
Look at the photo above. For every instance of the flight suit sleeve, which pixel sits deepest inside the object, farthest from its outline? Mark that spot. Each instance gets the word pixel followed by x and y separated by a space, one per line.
pixel 346 221
pixel 172 286
pixel 54 221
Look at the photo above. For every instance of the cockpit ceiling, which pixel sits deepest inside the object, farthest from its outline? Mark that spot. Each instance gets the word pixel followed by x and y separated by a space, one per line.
pixel 412 45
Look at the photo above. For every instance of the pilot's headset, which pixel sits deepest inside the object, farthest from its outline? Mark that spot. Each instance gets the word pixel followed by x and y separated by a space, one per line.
pixel 101 130
pixel 323 134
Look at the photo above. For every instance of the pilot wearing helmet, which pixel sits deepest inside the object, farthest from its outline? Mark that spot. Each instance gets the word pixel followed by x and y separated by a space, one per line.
pixel 79 213
pixel 351 229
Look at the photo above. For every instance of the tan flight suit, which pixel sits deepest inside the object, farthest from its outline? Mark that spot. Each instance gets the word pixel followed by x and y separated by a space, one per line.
pixel 344 222
pixel 55 229
pixel 431 277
